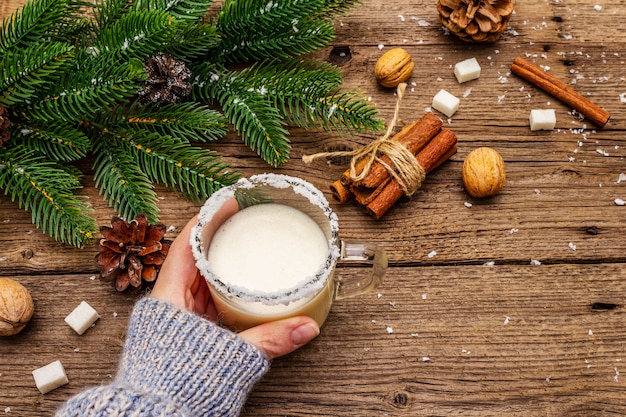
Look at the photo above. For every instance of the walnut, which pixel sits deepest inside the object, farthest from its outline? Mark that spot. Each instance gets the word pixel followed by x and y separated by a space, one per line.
pixel 483 172
pixel 394 67
pixel 16 307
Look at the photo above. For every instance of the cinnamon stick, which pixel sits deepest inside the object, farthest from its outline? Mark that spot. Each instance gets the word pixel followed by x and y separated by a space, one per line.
pixel 413 137
pixel 437 151
pixel 341 193
pixel 551 85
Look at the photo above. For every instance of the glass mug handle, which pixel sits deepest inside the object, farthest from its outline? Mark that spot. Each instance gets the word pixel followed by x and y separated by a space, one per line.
pixel 360 252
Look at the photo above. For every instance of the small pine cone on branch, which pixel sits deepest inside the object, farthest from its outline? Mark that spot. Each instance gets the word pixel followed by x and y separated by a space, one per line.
pixel 131 254
pixel 5 123
pixel 168 80
pixel 476 20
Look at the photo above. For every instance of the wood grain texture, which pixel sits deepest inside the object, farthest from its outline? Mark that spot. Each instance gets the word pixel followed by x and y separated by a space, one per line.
pixel 464 323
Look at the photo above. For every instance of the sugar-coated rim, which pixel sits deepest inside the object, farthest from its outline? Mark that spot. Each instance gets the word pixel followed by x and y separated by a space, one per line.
pixel 308 286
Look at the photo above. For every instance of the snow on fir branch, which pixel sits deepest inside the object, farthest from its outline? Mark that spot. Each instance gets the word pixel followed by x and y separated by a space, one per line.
pixel 136 85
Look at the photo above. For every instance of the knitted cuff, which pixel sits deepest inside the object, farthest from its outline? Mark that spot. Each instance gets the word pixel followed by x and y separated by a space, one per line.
pixel 188 360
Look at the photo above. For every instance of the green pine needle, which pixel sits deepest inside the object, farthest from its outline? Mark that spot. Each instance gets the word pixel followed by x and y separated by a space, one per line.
pixel 78 98
pixel 48 191
pixel 194 172
pixel 59 142
pixel 307 93
pixel 258 29
pixel 35 22
pixel 24 74
pixel 123 183
pixel 260 125
pixel 137 34
pixel 185 10
pixel 191 42
pixel 187 121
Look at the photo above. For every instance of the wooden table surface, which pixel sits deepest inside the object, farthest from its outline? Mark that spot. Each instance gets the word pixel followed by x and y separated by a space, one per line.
pixel 512 305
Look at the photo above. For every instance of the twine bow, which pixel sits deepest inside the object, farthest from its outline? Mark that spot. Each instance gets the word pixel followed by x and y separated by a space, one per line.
pixel 407 172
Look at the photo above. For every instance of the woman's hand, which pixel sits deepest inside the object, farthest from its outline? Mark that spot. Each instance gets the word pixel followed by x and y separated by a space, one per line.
pixel 181 285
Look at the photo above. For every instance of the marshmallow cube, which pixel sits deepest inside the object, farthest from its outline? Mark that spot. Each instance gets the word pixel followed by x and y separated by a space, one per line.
pixel 446 103
pixel 82 317
pixel 542 119
pixel 50 377
pixel 467 70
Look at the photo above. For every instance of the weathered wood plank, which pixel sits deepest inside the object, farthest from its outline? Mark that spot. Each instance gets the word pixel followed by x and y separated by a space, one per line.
pixel 471 340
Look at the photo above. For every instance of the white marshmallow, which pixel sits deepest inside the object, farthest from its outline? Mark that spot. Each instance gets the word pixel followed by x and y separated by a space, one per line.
pixel 467 70
pixel 50 377
pixel 542 119
pixel 82 317
pixel 446 103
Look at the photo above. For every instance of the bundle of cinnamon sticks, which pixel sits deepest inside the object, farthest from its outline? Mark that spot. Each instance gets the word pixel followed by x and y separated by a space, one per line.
pixel 379 189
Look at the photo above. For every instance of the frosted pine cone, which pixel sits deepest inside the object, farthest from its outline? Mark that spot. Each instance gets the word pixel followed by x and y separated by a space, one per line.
pixel 476 20
pixel 5 123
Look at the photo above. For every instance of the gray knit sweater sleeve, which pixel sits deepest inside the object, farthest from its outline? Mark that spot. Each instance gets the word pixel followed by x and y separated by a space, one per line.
pixel 174 363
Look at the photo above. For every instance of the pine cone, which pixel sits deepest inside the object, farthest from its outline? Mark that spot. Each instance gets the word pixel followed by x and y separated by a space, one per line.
pixel 5 123
pixel 132 253
pixel 476 20
pixel 168 80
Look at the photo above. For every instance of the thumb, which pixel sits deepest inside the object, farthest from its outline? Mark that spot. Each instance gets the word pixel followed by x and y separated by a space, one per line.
pixel 281 337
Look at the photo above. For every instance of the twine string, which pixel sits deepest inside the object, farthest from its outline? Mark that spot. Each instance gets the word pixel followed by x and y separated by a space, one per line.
pixel 404 167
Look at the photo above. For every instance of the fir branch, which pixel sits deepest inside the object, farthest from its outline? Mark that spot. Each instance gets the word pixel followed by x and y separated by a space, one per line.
pixel 260 125
pixel 192 42
pixel 308 95
pixel 293 86
pixel 187 121
pixel 136 34
pixel 186 10
pixel 122 182
pixel 48 192
pixel 257 29
pixel 106 12
pixel 26 73
pixel 338 7
pixel 35 22
pixel 194 172
pixel 58 142
pixel 348 113
pixel 82 96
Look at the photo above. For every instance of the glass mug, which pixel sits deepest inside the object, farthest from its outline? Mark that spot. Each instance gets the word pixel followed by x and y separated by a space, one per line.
pixel 252 280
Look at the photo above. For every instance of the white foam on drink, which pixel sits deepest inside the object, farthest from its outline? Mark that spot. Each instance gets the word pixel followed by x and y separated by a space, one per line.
pixel 267 247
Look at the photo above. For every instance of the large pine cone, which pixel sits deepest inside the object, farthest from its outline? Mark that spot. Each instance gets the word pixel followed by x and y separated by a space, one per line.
pixel 5 123
pixel 476 20
pixel 132 253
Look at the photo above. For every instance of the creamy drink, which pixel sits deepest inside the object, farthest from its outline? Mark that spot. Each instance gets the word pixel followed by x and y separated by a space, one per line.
pixel 269 248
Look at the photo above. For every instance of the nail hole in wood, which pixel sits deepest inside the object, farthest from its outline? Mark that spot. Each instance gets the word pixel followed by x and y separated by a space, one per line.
pixel 604 306
pixel 340 55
